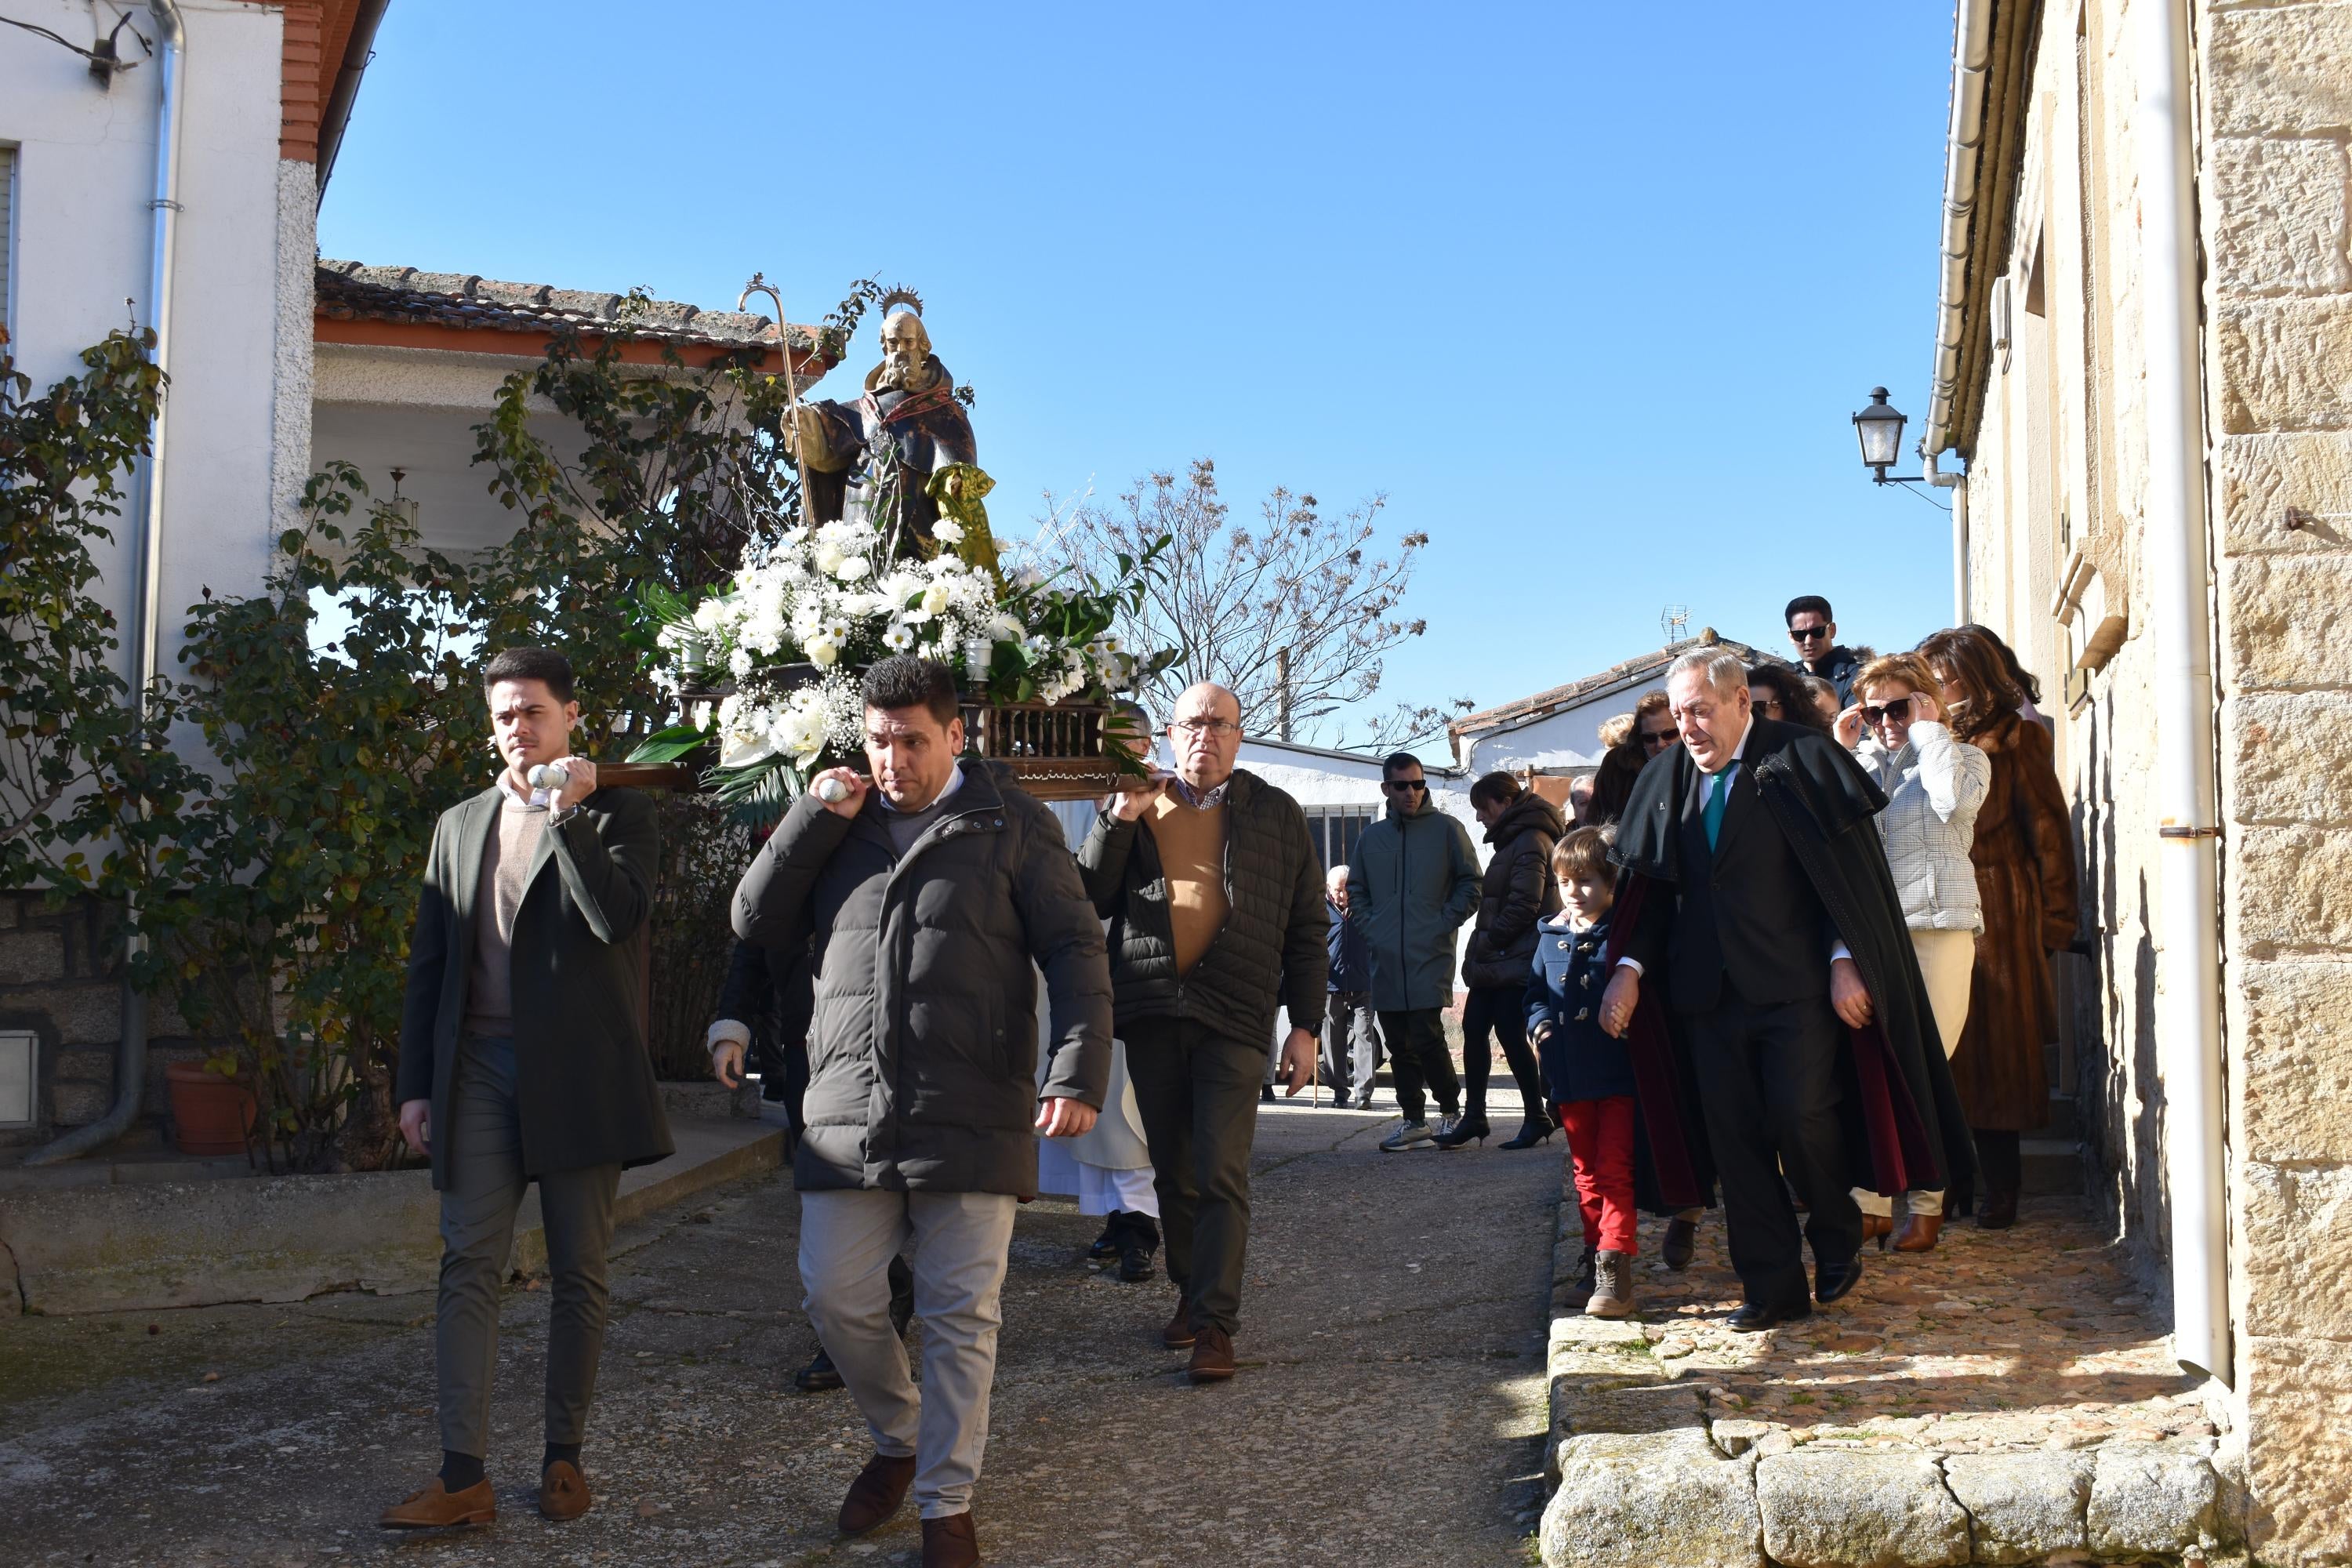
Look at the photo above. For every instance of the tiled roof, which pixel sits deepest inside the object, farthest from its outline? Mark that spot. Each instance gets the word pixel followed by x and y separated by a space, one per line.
pixel 350 291
pixel 1575 691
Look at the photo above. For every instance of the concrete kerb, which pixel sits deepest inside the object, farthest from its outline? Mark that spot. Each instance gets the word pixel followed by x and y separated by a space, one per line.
pixel 1642 1472
pixel 103 1248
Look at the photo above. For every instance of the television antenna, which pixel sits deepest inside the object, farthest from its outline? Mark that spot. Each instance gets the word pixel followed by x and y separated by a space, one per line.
pixel 1675 621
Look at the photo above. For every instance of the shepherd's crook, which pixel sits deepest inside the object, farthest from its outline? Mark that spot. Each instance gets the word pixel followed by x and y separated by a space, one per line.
pixel 760 285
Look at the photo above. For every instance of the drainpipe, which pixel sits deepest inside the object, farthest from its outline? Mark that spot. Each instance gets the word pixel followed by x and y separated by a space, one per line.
pixel 2189 960
pixel 147 551
pixel 1958 485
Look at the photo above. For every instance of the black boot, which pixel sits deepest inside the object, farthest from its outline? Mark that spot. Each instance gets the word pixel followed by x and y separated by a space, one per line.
pixel 1532 1131
pixel 1464 1130
pixel 1138 1239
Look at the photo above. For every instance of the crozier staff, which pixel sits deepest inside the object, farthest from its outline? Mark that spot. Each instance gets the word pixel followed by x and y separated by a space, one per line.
pixel 521 1061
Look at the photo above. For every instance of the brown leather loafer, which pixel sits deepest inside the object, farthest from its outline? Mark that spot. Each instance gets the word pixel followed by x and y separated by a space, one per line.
pixel 877 1493
pixel 438 1508
pixel 950 1542
pixel 1178 1334
pixel 1212 1357
pixel 1919 1232
pixel 563 1491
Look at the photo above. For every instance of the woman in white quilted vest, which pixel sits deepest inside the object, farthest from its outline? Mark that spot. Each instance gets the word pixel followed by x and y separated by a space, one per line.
pixel 1934 786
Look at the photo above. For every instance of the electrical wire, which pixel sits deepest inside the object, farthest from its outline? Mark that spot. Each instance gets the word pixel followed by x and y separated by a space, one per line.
pixel 106 59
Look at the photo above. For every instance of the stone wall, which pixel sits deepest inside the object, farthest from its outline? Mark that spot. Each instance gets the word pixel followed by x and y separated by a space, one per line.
pixel 2276 192
pixel 61 977
pixel 2057 478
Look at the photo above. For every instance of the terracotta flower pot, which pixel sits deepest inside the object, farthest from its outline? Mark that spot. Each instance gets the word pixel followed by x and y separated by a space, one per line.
pixel 210 1114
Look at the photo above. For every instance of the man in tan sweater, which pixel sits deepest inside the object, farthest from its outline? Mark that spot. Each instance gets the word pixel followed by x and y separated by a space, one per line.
pixel 1215 896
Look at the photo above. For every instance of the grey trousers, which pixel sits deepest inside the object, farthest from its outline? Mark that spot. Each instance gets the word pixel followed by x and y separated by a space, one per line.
pixel 960 1245
pixel 1197 1092
pixel 478 1220
pixel 1351 1045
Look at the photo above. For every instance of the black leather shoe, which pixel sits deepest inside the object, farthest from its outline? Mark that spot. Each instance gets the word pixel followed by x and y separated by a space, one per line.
pixel 1682 1241
pixel 1266 1094
pixel 819 1376
pixel 902 1296
pixel 1832 1282
pixel 1466 1129
pixel 1755 1317
pixel 1107 1244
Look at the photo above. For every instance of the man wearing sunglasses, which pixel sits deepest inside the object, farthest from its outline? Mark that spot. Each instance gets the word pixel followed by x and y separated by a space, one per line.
pixel 1813 629
pixel 1413 881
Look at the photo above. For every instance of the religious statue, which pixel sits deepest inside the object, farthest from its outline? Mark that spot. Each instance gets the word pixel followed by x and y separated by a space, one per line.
pixel 909 433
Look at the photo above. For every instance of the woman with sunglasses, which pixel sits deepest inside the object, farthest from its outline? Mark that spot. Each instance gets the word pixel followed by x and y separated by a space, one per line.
pixel 2024 856
pixel 1934 786
pixel 1778 691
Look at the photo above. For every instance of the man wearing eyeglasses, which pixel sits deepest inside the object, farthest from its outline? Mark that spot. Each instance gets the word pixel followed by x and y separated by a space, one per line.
pixel 1413 881
pixel 1211 883
pixel 1813 628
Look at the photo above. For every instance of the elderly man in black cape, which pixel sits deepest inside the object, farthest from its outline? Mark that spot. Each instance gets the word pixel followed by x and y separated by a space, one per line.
pixel 1757 907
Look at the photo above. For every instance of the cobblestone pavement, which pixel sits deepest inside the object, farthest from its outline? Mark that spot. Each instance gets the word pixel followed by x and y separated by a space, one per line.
pixel 1391 1406
pixel 2031 1336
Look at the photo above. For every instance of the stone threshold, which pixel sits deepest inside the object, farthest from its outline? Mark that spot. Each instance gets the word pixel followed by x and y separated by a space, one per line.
pixel 1898 1428
pixel 106 1247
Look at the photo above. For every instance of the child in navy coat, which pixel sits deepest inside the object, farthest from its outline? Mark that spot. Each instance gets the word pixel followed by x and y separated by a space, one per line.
pixel 1588 1077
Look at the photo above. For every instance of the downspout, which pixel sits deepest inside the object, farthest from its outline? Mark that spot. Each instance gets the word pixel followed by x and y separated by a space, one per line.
pixel 1958 485
pixel 147 551
pixel 2189 958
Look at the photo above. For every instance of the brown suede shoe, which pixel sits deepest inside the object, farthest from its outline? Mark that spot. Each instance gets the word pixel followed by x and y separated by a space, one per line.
pixel 950 1542
pixel 877 1493
pixel 1178 1334
pixel 1212 1357
pixel 563 1491
pixel 438 1508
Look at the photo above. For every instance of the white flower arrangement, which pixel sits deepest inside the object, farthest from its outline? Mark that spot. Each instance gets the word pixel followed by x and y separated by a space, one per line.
pixel 804 616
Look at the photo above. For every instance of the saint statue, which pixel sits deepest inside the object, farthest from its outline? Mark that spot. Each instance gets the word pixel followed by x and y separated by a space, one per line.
pixel 909 433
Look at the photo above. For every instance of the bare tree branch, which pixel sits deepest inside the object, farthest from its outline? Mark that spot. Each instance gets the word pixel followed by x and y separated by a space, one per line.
pixel 1235 600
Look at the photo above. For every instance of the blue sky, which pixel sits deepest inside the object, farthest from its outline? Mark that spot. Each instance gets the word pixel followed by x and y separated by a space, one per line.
pixel 1588 292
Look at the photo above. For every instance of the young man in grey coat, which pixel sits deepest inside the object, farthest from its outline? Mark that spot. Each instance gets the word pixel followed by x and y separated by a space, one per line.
pixel 1413 880
pixel 521 1060
pixel 929 891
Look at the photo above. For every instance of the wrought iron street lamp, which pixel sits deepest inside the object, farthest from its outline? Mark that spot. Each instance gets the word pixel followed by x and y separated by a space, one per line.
pixel 1879 427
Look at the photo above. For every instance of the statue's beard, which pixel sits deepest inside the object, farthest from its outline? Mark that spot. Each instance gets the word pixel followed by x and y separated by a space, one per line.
pixel 904 372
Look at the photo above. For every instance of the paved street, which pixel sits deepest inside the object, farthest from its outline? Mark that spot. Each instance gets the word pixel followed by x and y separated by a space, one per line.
pixel 1390 1408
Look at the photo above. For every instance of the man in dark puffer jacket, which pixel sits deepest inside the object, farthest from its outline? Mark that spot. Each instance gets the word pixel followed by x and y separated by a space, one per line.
pixel 929 893
pixel 1215 899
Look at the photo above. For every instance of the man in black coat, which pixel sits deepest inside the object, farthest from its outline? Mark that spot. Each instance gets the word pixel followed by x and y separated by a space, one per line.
pixel 1770 925
pixel 934 893
pixel 1351 1030
pixel 521 1060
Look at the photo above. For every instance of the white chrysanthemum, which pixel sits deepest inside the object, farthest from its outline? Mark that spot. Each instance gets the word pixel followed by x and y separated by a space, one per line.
pixel 808 619
pixel 947 533
pixel 710 614
pixel 898 637
pixel 851 568
pixel 1004 628
pixel 738 663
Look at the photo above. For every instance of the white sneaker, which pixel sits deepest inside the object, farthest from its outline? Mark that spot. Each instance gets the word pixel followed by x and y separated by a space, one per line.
pixel 1412 1135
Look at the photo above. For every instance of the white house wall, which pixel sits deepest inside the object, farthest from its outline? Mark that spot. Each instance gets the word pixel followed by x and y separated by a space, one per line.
pixel 86 165
pixel 1570 738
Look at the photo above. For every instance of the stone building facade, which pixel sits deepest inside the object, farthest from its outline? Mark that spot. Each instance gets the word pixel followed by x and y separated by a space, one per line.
pixel 2050 391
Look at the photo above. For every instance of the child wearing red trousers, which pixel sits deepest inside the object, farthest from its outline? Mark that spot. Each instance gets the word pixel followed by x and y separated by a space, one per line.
pixel 1588 1077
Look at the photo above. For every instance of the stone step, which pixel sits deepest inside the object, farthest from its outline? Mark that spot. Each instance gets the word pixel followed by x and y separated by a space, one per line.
pixel 2051 1166
pixel 2064 1121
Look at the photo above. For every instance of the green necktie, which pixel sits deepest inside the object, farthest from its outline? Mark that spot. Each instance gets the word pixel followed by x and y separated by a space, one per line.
pixel 1713 811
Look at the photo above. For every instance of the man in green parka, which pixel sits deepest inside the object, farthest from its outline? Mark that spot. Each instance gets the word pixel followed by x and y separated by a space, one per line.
pixel 1413 881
